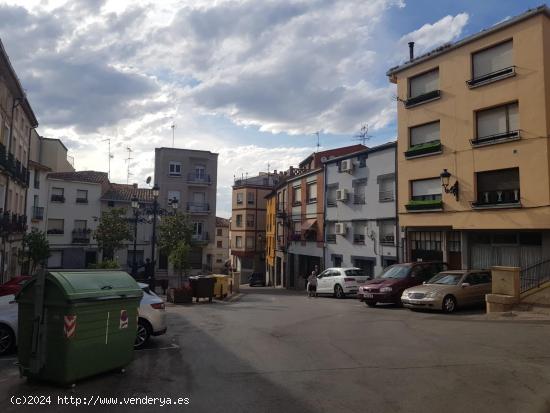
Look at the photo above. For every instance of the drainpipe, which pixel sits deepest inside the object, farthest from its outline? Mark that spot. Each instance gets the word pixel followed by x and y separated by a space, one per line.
pixel 397 227
pixel 322 268
pixel 28 171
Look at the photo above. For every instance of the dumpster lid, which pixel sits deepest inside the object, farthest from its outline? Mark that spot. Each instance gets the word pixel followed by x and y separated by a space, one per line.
pixel 79 285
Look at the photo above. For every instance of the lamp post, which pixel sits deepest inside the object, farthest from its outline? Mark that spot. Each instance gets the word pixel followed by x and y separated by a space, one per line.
pixel 174 204
pixel 155 191
pixel 445 178
pixel 135 207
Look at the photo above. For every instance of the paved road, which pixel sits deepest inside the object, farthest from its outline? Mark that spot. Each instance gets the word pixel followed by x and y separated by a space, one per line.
pixel 277 351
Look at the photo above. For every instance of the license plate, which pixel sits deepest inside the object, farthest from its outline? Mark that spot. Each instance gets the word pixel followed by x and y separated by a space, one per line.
pixel 368 295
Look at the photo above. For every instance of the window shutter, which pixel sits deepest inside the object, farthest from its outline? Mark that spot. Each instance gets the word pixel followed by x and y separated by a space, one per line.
pixel 426 187
pixel 423 84
pixel 493 59
pixel 425 133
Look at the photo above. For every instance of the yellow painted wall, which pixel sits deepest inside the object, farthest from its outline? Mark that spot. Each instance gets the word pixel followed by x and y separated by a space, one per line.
pixel 270 229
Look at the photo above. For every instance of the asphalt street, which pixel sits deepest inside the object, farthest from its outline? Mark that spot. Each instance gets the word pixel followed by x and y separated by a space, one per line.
pixel 279 351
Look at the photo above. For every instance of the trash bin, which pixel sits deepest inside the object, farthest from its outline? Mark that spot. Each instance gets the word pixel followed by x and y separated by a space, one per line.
pixel 89 324
pixel 202 286
pixel 221 286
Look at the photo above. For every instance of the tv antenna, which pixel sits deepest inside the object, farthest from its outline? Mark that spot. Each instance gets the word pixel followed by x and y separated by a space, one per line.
pixel 318 139
pixel 173 126
pixel 108 140
pixel 128 159
pixel 363 134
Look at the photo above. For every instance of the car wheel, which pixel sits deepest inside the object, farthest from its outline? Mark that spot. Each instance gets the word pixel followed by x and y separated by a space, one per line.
pixel 7 339
pixel 143 334
pixel 449 304
pixel 339 291
pixel 371 305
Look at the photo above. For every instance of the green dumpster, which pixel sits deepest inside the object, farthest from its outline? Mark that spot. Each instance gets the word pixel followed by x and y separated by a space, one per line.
pixel 75 324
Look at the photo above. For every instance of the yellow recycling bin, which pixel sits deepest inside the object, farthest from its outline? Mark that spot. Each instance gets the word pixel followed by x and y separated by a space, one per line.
pixel 221 286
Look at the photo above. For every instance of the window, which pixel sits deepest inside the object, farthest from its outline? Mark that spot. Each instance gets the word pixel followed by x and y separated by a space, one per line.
pixel 331 195
pixel 239 221
pixel 173 195
pixel 55 259
pixel 240 197
pixel 362 161
pixel 249 242
pixel 58 195
pixel 426 189
pixel 219 232
pixel 55 226
pixel 385 187
pixel 219 258
pixel 423 88
pixel 359 191
pixel 36 179
pixel 336 262
pixel 174 169
pixel 250 198
pixel 130 258
pixel 331 232
pixel 111 204
pixel 499 121
pixel 492 64
pixel 498 187
pixel 296 196
pixel 297 230
pixel 81 196
pixel 424 139
pixel 200 172
pixel 311 192
pixel 80 224
pixel 249 220
pixel 359 231
pixel 163 260
pixel 238 241
pixel 367 266
pixel 387 232
pixel 197 228
pixel 219 244
pixel 34 201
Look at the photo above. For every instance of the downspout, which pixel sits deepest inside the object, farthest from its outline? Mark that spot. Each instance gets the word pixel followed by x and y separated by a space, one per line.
pixel 397 227
pixel 324 217
pixel 28 171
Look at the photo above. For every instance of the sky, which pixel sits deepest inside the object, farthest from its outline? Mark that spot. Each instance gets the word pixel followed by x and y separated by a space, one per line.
pixel 251 80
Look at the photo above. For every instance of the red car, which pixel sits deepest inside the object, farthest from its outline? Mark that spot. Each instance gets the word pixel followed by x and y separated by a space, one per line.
pixel 14 285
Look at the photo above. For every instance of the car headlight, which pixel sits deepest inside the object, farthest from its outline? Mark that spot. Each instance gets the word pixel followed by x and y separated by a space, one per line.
pixel 432 294
pixel 385 290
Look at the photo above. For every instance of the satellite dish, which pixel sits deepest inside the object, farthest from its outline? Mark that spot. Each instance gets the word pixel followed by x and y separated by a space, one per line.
pixel 323 159
pixel 148 181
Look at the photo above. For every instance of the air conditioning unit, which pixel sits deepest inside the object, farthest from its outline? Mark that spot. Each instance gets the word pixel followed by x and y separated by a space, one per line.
pixel 346 165
pixel 340 228
pixel 342 194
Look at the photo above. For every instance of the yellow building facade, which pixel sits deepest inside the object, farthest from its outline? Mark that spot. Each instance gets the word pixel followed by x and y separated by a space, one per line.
pixel 474 149
pixel 270 236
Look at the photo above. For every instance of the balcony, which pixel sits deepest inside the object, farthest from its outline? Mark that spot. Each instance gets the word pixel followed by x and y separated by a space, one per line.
pixel 425 203
pixel 491 77
pixel 422 149
pixel 424 98
pixel 199 179
pixel 509 198
pixel 359 239
pixel 81 200
pixel 200 238
pixel 81 236
pixel 198 207
pixel 331 238
pixel 359 199
pixel 12 223
pixel 37 213
pixel 57 198
pixel 494 139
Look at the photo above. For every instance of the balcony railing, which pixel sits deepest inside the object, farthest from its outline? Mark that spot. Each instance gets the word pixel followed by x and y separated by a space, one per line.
pixel 331 238
pixel 198 207
pixel 491 77
pixel 425 148
pixel 359 199
pixel 12 223
pixel 57 198
pixel 496 138
pixel 387 240
pixel 81 236
pixel 200 238
pixel 195 178
pixel 81 200
pixel 508 197
pixel 38 213
pixel 424 98
pixel 358 239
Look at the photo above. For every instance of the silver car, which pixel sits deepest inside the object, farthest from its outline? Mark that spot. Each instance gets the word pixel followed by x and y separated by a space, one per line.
pixel 151 317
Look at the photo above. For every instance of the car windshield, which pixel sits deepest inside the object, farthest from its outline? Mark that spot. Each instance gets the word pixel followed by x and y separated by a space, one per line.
pixel 445 278
pixel 395 271
pixel 354 273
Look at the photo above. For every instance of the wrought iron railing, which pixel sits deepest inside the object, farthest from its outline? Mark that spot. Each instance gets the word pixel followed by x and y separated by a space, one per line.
pixel 200 207
pixel 534 275
pixel 199 178
pixel 38 213
pixel 497 197
pixel 81 236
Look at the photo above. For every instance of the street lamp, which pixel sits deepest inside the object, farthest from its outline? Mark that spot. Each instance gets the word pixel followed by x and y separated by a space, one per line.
pixel 155 190
pixel 445 178
pixel 174 204
pixel 135 207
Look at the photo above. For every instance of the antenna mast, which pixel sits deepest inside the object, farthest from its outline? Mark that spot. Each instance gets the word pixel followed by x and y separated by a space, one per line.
pixel 318 141
pixel 173 126
pixel 128 160
pixel 108 140
pixel 363 134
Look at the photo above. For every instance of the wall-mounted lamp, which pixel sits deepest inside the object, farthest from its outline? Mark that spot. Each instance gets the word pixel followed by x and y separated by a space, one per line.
pixel 445 178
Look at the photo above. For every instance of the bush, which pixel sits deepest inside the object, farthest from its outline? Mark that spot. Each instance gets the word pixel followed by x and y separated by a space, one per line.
pixel 105 265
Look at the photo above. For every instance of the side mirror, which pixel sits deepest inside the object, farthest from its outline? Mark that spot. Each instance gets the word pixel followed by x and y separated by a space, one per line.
pixel 464 285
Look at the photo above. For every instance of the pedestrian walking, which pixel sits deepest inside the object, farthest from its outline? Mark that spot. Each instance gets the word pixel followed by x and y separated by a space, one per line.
pixel 312 285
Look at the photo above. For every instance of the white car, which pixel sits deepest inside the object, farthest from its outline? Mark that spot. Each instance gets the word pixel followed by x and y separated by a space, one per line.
pixel 151 316
pixel 340 281
pixel 8 324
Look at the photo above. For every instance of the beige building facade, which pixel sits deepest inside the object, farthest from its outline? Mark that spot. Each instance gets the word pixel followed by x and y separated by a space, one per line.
pixel 217 252
pixel 474 149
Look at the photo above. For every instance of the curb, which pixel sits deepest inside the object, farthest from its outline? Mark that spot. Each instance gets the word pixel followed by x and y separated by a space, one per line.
pixel 234 298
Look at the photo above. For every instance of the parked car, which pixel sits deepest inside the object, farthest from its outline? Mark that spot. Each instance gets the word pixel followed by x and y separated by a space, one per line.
pixel 8 323
pixel 340 281
pixel 14 285
pixel 449 290
pixel 255 279
pixel 151 317
pixel 389 286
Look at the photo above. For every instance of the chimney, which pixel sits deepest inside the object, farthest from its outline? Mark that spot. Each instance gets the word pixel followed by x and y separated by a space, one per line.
pixel 134 186
pixel 411 50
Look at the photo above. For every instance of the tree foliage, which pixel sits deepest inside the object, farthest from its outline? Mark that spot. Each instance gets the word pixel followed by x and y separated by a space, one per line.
pixel 112 230
pixel 172 230
pixel 36 249
pixel 179 257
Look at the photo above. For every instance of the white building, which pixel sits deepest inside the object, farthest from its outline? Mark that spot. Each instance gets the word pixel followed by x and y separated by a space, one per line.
pixel 360 210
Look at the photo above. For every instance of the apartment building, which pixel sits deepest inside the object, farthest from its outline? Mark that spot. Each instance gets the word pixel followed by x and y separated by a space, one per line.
pixel 248 223
pixel 473 147
pixel 360 215
pixel 217 252
pixel 301 209
pixel 190 177
pixel 17 121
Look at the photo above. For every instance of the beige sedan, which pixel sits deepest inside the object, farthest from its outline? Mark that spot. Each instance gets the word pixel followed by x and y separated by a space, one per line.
pixel 448 290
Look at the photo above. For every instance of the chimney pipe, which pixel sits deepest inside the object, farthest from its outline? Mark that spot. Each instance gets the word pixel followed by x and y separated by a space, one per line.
pixel 411 50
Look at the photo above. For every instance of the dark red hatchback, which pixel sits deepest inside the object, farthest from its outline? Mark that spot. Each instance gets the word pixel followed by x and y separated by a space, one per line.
pixel 14 285
pixel 388 286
